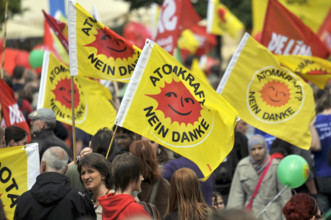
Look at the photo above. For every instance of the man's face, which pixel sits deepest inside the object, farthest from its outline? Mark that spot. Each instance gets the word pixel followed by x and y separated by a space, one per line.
pixel 35 126
pixel 123 140
pixel 257 152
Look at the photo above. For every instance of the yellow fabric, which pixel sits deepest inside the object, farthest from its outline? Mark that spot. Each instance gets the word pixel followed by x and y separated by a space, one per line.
pixel 188 41
pixel 92 100
pixel 230 24
pixel 311 12
pixel 170 105
pixel 96 51
pixel 313 69
pixel 195 68
pixel 268 96
pixel 13 177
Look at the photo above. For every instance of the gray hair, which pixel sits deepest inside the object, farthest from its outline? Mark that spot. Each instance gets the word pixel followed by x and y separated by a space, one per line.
pixel 56 158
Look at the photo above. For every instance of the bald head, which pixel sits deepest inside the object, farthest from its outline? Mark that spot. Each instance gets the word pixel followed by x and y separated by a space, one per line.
pixel 55 159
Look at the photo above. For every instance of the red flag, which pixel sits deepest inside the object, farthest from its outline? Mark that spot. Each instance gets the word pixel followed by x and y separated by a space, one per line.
pixel 12 115
pixel 284 33
pixel 58 28
pixel 175 16
pixel 325 31
pixel 207 41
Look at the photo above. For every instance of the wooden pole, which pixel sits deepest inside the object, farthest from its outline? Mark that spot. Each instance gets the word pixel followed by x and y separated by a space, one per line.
pixel 111 141
pixel 73 120
pixel 4 41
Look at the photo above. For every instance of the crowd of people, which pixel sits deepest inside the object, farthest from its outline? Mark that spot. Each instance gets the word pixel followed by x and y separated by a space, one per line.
pixel 141 179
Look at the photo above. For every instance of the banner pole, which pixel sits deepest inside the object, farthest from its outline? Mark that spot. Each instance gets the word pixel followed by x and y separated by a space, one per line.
pixel 267 206
pixel 73 120
pixel 111 141
pixel 4 41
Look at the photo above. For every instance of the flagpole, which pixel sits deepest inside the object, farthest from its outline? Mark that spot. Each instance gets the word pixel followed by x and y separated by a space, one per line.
pixel 73 121
pixel 111 141
pixel 4 41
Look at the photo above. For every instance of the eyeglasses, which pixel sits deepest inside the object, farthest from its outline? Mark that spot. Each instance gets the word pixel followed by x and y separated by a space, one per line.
pixel 320 216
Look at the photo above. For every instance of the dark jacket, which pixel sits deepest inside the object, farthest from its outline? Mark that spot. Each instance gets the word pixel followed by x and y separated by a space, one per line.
pixel 52 197
pixel 46 139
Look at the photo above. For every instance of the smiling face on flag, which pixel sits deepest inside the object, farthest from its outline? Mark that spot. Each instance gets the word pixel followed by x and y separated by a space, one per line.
pixel 100 52
pixel 62 93
pixel 111 46
pixel 274 95
pixel 177 103
pixel 59 82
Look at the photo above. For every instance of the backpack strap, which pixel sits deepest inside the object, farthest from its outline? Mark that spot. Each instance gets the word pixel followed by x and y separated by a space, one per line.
pixel 154 191
pixel 250 204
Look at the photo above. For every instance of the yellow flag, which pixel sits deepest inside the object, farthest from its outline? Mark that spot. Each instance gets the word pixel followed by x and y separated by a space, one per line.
pixel 268 96
pixel 170 105
pixel 19 168
pixel 95 50
pixel 313 69
pixel 195 68
pixel 91 99
pixel 220 20
pixel 311 12
pixel 188 41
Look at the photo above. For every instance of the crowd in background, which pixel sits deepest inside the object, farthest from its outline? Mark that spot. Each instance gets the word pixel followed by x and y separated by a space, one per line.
pixel 141 178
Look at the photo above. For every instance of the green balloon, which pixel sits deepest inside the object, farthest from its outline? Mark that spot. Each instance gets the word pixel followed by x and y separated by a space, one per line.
pixel 293 171
pixel 36 58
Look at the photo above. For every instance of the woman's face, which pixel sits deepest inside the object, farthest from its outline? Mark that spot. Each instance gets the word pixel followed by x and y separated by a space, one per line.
pixel 257 152
pixel 219 204
pixel 91 178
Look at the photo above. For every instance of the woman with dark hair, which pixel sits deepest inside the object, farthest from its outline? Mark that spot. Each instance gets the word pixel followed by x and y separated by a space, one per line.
pixel 94 170
pixel 302 207
pixel 154 189
pixel 255 182
pixel 15 136
pixel 186 201
pixel 127 174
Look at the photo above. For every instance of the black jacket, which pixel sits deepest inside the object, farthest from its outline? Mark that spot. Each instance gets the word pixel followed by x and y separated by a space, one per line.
pixel 52 197
pixel 46 139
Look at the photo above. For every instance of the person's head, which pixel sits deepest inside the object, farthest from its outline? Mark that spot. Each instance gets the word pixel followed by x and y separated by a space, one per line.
pixel 2 137
pixel 323 103
pixel 301 207
pixel 124 137
pixel 257 147
pixel 185 194
pixel 126 171
pixel 217 201
pixel 94 171
pixel 41 119
pixel 55 159
pixel 101 140
pixel 15 136
pixel 145 152
pixel 232 214
pixel 18 72
pixel 241 126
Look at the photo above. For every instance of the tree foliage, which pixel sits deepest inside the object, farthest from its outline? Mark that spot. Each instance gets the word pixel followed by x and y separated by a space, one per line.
pixel 14 7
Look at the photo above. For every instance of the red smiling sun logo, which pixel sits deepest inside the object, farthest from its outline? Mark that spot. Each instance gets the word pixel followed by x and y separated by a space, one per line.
pixel 62 93
pixel 275 94
pixel 109 45
pixel 177 103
